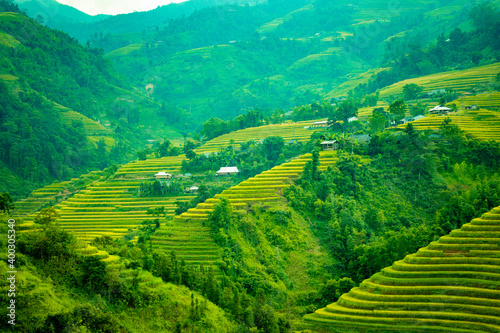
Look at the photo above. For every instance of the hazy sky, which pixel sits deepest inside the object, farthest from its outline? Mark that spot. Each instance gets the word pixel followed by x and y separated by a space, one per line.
pixel 94 7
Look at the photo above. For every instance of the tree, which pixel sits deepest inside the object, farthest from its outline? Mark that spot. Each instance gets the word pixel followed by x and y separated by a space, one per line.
pixel 377 122
pixel 221 216
pixel 163 148
pixel 347 109
pixel 273 148
pixel 418 109
pixel 411 91
pixel 398 108
pixel 94 272
pixel 189 147
pixel 142 155
pixel 483 15
pixel 46 217
pixel 6 203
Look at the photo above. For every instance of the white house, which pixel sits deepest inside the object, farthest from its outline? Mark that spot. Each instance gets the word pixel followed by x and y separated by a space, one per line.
pixel 228 171
pixel 163 175
pixel 440 110
pixel 193 189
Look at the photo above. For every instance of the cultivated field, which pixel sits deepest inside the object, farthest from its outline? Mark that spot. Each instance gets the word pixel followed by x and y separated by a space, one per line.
pixel 482 124
pixel 490 101
pixel 264 188
pixel 353 82
pixel 286 131
pixel 462 80
pixel 112 207
pixel 452 285
pixel 189 234
pixel 8 40
pixel 51 194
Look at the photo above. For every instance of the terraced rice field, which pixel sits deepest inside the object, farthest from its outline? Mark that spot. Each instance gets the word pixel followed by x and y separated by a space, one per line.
pixel 286 131
pixel 112 207
pixel 189 234
pixel 142 278
pixel 452 285
pixel 490 101
pixel 482 124
pixel 457 80
pixel 50 194
pixel 271 26
pixel 92 128
pixel 8 40
pixel 124 50
pixel 353 82
pixel 365 113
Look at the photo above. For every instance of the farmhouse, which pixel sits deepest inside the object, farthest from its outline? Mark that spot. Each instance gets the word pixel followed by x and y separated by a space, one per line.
pixel 193 189
pixel 330 145
pixel 292 142
pixel 405 120
pixel 228 171
pixel 319 124
pixel 439 110
pixel 163 175
pixel 362 139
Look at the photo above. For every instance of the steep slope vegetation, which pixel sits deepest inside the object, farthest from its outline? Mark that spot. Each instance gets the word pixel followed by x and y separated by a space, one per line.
pixel 64 286
pixel 64 110
pixel 452 285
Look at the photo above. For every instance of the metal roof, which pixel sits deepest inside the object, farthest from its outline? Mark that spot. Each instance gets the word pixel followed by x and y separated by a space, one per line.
pixel 228 170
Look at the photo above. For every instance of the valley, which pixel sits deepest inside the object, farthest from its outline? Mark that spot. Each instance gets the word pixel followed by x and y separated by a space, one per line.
pixel 271 166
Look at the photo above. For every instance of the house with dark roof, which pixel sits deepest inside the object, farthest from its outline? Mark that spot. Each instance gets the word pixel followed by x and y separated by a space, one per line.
pixel 363 139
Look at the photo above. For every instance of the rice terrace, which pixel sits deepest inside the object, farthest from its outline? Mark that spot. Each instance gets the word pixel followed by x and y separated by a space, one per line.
pixel 298 166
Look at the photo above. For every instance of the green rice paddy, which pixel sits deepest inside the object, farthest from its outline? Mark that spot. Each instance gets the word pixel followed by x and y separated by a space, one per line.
pixel 111 207
pixel 481 124
pixel 452 285
pixel 462 80
pixel 288 131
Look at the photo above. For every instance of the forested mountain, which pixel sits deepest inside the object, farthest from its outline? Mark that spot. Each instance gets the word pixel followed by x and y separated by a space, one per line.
pixel 228 58
pixel 280 54
pixel 83 26
pixel 64 109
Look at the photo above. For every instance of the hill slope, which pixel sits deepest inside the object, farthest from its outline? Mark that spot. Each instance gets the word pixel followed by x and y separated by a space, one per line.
pixel 64 108
pixel 452 285
pixel 280 55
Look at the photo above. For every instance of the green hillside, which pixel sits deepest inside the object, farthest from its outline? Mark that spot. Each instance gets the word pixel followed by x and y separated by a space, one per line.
pixel 65 110
pixel 282 55
pixel 481 124
pixel 110 151
pixel 294 131
pixel 463 80
pixel 98 303
pixel 452 285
